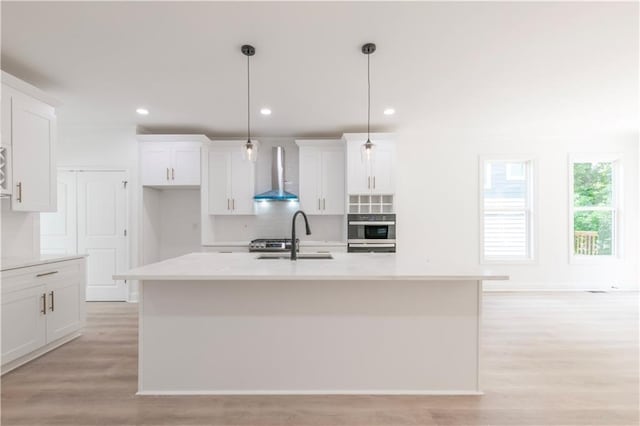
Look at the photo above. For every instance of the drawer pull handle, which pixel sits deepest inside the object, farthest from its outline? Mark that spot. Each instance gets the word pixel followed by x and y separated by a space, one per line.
pixel 44 274
pixel 53 307
pixel 19 198
pixel 44 304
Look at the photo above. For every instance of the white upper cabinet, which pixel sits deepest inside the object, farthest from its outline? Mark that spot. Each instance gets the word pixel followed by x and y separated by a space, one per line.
pixel 322 176
pixel 170 160
pixel 29 133
pixel 375 175
pixel 231 179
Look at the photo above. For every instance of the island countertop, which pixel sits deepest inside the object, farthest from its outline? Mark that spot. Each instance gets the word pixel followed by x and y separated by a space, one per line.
pixel 343 266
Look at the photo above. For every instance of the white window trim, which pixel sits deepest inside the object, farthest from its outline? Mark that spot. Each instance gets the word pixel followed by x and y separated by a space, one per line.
pixel 617 208
pixel 532 177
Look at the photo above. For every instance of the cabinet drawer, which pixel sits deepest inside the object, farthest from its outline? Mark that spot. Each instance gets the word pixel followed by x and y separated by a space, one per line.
pixel 33 276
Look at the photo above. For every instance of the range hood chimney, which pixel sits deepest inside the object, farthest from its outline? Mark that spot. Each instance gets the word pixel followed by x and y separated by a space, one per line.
pixel 277 192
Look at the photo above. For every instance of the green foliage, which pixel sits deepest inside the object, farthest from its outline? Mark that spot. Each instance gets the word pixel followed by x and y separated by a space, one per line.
pixel 593 187
pixel 592 184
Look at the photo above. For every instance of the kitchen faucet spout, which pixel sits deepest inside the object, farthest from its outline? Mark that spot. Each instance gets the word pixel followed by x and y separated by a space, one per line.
pixel 294 245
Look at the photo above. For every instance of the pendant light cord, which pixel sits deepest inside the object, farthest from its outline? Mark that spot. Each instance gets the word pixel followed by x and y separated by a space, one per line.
pixel 368 98
pixel 248 102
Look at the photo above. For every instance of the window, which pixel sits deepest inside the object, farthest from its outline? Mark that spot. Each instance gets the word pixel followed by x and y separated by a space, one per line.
pixel 506 210
pixel 595 207
pixel 515 171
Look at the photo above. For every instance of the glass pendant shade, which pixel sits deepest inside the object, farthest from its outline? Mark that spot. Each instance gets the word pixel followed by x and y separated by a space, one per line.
pixel 250 151
pixel 367 151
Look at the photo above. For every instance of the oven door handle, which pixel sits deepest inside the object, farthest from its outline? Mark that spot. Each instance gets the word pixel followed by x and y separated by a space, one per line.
pixel 364 245
pixel 364 222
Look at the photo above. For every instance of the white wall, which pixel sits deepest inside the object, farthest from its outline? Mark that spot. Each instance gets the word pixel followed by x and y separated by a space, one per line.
pixel 20 232
pixel 438 203
pixel 170 223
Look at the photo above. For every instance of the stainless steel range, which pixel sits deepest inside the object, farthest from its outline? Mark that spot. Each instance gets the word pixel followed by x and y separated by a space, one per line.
pixel 271 245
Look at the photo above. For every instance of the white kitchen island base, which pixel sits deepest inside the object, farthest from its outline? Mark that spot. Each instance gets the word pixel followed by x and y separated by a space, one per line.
pixel 216 323
pixel 309 337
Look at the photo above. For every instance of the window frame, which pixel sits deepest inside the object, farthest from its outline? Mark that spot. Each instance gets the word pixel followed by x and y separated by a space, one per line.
pixel 616 208
pixel 531 177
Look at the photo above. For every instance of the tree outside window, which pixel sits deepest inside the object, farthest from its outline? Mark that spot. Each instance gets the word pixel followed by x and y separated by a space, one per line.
pixel 594 208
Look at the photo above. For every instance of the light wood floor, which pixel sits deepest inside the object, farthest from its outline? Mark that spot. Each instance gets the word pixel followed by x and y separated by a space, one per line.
pixel 549 359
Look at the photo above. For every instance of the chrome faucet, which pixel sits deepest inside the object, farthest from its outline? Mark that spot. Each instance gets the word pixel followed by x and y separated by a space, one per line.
pixel 294 245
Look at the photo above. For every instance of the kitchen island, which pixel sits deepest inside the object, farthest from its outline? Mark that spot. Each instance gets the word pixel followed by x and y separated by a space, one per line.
pixel 230 323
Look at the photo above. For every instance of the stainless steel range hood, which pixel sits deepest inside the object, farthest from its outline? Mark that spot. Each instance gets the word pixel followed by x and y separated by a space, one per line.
pixel 277 192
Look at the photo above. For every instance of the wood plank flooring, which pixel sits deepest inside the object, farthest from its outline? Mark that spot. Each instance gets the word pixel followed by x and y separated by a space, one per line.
pixel 549 359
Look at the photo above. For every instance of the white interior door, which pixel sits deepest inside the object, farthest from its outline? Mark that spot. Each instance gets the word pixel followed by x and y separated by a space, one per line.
pixel 102 222
pixel 58 229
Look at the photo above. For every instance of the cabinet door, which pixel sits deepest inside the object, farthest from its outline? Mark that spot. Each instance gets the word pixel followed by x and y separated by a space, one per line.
pixel 23 322
pixel 383 169
pixel 185 164
pixel 358 177
pixel 6 116
pixel 63 307
pixel 155 162
pixel 333 170
pixel 311 180
pixel 242 183
pixel 33 125
pixel 219 182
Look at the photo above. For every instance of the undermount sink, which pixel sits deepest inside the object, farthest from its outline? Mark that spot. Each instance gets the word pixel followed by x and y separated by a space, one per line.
pixel 301 256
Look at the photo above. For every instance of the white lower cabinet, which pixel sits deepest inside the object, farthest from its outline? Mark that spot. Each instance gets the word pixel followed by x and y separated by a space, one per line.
pixel 42 308
pixel 24 325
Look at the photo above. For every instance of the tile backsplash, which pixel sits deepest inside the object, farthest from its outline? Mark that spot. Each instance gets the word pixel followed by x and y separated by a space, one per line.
pixel 273 219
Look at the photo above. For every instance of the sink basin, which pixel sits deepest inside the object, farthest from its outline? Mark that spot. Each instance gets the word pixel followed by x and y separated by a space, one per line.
pixel 301 256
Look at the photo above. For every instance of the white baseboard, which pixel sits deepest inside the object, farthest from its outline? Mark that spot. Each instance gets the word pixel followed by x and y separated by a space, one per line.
pixel 12 365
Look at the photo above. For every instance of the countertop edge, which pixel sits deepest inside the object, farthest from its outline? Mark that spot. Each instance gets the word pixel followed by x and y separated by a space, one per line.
pixel 312 278
pixel 26 263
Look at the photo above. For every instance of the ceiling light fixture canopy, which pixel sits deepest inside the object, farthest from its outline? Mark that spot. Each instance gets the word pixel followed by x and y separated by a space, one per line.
pixel 249 150
pixel 368 147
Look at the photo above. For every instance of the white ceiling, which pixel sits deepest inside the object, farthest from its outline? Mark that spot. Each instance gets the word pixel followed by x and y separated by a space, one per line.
pixel 507 66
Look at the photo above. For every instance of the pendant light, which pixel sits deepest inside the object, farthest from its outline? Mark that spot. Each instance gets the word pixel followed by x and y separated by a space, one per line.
pixel 249 149
pixel 368 147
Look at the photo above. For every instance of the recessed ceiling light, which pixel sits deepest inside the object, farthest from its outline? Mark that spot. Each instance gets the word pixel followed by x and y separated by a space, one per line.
pixel 389 111
pixel 142 111
pixel 265 111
